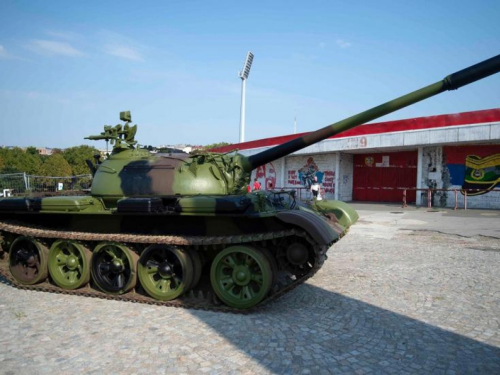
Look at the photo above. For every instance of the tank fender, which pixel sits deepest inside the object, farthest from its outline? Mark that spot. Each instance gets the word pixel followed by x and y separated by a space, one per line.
pixel 313 224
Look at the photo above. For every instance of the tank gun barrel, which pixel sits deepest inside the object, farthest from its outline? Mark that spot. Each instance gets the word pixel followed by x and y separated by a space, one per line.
pixel 451 82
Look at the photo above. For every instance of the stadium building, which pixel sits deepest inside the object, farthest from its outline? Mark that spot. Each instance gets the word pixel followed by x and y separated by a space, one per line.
pixel 444 161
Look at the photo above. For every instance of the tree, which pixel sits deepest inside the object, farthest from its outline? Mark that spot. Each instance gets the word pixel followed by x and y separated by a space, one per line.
pixel 76 157
pixel 16 161
pixel 214 145
pixel 32 150
pixel 55 165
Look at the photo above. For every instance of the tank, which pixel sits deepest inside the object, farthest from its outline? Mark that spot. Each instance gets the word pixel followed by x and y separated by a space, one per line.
pixel 182 230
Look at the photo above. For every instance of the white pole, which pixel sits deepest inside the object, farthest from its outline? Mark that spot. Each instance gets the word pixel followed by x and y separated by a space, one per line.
pixel 242 116
pixel 420 161
pixel 244 75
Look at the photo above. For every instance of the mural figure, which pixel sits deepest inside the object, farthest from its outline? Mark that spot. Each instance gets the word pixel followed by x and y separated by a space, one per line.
pixel 481 173
pixel 308 172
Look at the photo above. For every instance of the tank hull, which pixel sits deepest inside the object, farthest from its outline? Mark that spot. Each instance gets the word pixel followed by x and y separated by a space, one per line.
pixel 287 246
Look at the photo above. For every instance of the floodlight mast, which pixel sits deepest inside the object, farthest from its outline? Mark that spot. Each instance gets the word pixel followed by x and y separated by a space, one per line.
pixel 244 75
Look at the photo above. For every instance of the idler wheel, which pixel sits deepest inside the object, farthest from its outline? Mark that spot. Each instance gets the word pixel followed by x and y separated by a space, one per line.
pixel 28 260
pixel 241 276
pixel 297 254
pixel 69 264
pixel 165 272
pixel 114 267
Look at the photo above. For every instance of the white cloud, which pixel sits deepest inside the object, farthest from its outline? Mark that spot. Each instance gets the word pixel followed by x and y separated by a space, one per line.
pixel 3 53
pixel 123 52
pixel 62 35
pixel 50 47
pixel 343 44
pixel 122 46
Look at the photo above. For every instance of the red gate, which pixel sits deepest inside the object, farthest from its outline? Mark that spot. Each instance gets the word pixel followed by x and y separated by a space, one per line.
pixel 383 177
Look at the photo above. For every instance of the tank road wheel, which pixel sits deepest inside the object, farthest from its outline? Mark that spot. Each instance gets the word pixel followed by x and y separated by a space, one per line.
pixel 28 260
pixel 165 272
pixel 274 267
pixel 114 267
pixel 241 276
pixel 69 264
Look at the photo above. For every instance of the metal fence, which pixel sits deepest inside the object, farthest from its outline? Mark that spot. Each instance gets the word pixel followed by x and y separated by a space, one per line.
pixel 22 183
pixel 456 198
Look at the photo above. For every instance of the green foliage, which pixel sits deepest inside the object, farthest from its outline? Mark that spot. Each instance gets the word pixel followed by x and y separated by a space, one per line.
pixel 68 162
pixel 214 145
pixel 16 160
pixel 55 165
pixel 76 157
pixel 32 150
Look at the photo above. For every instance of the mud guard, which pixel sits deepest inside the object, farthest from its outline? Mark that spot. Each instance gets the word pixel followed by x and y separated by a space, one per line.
pixel 313 224
pixel 345 214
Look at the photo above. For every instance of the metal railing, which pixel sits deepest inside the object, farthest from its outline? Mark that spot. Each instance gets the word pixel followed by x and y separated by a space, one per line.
pixel 430 192
pixel 303 193
pixel 23 183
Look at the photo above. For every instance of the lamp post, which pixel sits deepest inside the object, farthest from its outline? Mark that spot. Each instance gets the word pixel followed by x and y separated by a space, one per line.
pixel 244 75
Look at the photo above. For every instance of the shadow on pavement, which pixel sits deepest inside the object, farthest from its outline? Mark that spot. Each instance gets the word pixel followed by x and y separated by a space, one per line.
pixel 312 329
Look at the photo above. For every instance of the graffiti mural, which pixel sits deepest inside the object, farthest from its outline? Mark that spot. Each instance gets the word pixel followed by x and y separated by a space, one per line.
pixel 481 173
pixel 329 182
pixel 308 172
pixel 304 176
pixel 473 167
pixel 266 175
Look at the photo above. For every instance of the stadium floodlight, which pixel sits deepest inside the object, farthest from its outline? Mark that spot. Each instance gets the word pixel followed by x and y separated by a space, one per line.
pixel 245 72
pixel 246 68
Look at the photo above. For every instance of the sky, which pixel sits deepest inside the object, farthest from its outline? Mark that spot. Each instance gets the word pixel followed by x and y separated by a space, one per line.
pixel 69 67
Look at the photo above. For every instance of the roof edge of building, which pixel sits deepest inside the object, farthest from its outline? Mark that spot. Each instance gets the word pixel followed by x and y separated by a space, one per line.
pixel 417 123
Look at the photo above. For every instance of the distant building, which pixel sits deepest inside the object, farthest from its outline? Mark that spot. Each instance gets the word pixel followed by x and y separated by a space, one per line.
pixel 43 151
pixel 178 148
pixel 189 149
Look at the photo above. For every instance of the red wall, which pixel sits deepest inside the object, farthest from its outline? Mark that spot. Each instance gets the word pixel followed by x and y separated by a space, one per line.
pixel 377 181
pixel 457 154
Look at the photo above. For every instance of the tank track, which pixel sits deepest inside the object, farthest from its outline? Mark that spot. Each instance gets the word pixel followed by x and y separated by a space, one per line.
pixel 194 299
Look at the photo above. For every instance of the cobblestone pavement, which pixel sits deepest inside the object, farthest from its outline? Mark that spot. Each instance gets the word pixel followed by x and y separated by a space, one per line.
pixel 389 300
